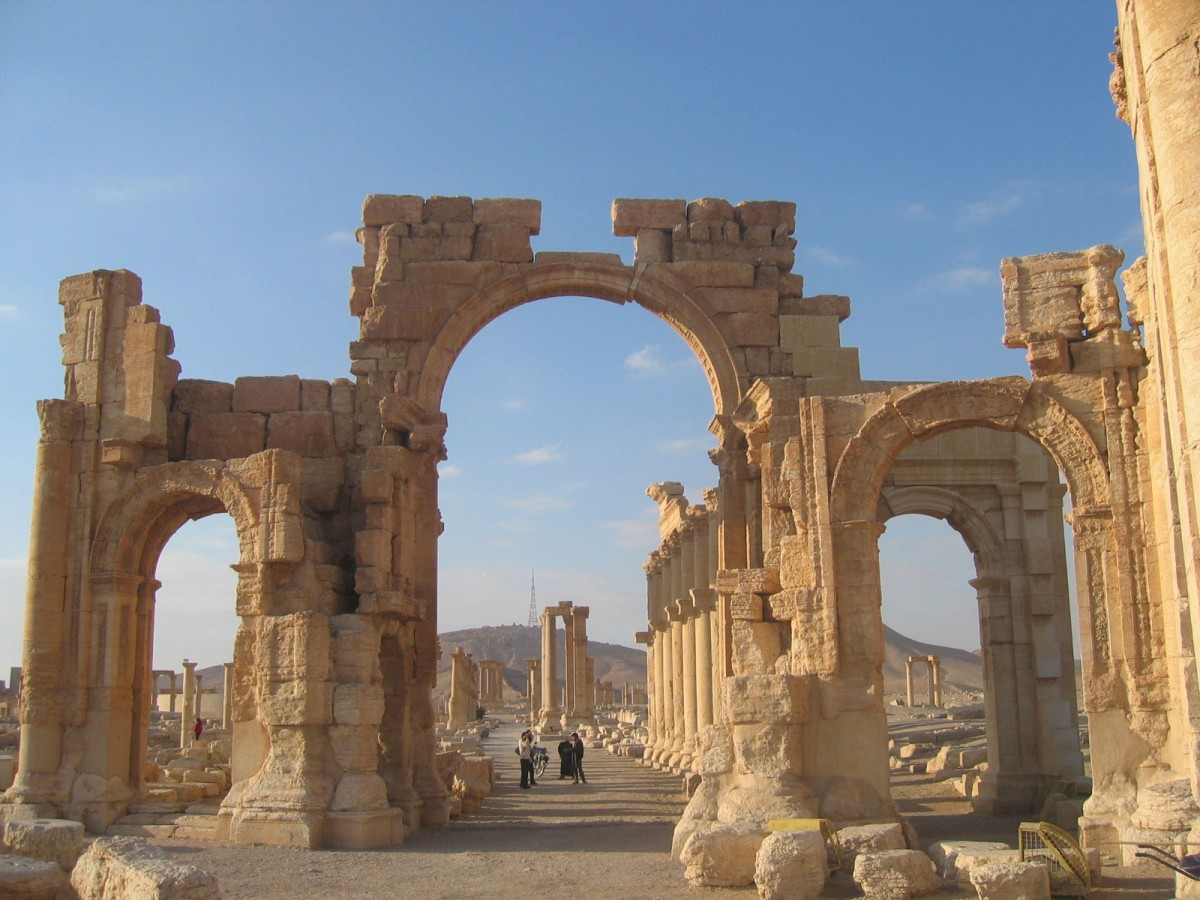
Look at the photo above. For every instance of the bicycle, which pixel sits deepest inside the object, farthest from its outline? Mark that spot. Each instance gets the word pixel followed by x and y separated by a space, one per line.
pixel 540 758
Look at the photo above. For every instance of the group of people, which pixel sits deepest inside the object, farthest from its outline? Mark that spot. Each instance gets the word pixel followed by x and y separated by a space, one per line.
pixel 570 756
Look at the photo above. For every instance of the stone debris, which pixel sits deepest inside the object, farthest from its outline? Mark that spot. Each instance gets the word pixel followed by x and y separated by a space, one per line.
pixel 1012 881
pixel 58 841
pixel 22 878
pixel 791 865
pixel 124 868
pixel 895 874
pixel 722 856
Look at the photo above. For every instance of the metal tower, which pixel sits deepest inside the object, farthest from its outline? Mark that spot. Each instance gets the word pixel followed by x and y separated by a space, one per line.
pixel 533 613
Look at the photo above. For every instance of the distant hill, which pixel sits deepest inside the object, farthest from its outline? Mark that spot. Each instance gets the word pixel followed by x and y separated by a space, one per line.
pixel 961 669
pixel 513 644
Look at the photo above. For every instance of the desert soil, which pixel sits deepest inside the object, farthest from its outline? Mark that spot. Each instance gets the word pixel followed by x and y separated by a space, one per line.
pixel 608 838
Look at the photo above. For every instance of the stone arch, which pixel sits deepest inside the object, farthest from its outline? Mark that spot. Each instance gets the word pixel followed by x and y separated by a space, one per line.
pixel 941 503
pixel 617 284
pixel 136 527
pixel 1005 404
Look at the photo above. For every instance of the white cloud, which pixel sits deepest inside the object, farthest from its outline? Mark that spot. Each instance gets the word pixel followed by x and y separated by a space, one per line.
pixel 8 311
pixel 129 191
pixel 539 455
pixel 648 360
pixel 538 503
pixel 512 404
pixel 827 256
pixel 502 544
pixel 916 211
pixel 449 470
pixel 682 446
pixel 340 238
pixel 961 279
pixel 984 212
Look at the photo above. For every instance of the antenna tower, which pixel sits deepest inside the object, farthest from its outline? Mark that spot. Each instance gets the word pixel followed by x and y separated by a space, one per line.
pixel 533 613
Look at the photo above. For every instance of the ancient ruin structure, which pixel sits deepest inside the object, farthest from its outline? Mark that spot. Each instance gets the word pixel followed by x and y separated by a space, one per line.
pixel 577 700
pixel 933 670
pixel 764 634
pixel 464 689
pixel 491 683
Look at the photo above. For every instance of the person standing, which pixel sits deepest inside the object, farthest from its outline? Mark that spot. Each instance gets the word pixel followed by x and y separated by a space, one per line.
pixel 566 758
pixel 198 728
pixel 525 752
pixel 577 755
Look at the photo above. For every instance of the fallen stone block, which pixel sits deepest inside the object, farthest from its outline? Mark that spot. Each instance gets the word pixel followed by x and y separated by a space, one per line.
pixel 22 878
pixel 895 874
pixel 970 859
pixel 58 841
pixel 945 856
pixel 723 856
pixel 1012 881
pixel 122 868
pixel 791 865
pixel 856 839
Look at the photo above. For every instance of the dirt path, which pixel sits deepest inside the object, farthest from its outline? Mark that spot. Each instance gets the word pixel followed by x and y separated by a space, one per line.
pixel 608 838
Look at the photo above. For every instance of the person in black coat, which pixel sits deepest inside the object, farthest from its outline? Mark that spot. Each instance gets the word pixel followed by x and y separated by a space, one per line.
pixel 566 758
pixel 577 755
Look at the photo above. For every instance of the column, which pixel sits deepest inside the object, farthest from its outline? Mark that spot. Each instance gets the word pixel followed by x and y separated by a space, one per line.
pixel 688 629
pixel 663 670
pixel 704 658
pixel 908 682
pixel 570 670
pixel 584 667
pixel 534 675
pixel 676 710
pixel 550 708
pixel 189 704
pixel 227 697
pixel 935 682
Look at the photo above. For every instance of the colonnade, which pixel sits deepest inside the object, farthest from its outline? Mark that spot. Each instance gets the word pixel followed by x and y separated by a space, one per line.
pixel 934 672
pixel 681 600
pixel 577 700
pixel 491 682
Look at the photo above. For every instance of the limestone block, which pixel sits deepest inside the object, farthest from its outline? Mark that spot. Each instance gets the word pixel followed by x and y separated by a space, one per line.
pixel 267 394
pixel 945 855
pixel 767 750
pixel 358 704
pixel 355 747
pixel 305 433
pixel 448 209
pixel 360 790
pixel 751 329
pixel 895 874
pixel 971 858
pixel 859 839
pixel 1012 881
pixel 384 209
pixel 629 215
pixel 295 703
pixel 58 841
pixel 710 209
pixel 31 879
pixel 294 647
pixel 723 856
pixel 225 435
pixel 765 698
pixel 123 868
pixel 503 243
pixel 507 211
pixel 194 395
pixel 791 865
pixel 770 213
pixel 684 829
pixel 651 246
pixel 8 771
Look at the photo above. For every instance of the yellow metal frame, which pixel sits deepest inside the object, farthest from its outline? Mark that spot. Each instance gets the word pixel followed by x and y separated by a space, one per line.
pixel 1041 840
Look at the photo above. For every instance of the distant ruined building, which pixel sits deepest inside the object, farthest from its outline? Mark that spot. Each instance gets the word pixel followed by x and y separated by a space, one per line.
pixel 763 623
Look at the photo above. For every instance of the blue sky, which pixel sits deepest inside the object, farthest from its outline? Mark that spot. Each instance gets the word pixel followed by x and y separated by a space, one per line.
pixel 222 152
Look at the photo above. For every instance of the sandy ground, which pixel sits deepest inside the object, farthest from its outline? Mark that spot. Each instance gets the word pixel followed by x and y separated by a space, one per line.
pixel 608 838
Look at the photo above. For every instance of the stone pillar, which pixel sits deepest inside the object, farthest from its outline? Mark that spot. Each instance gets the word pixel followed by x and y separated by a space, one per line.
pixel 664 671
pixel 688 646
pixel 590 697
pixel 584 673
pixel 227 697
pixel 935 682
pixel 463 700
pixel 704 601
pixel 570 675
pixel 534 675
pixel 551 711
pixel 909 688
pixel 677 691
pixel 189 704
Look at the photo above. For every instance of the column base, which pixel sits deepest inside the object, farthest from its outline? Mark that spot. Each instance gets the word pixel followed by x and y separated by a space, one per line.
pixel 364 830
pixel 1001 794
pixel 279 829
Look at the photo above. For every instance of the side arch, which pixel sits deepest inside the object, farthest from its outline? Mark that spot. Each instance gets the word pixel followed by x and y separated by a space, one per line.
pixel 617 284
pixel 1005 404
pixel 941 503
